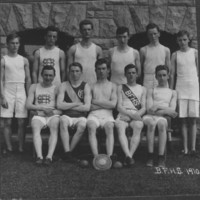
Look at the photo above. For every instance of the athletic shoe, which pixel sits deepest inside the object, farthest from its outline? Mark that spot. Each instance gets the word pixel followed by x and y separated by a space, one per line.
pixel 67 157
pixel 39 161
pixel 7 152
pixel 48 161
pixel 149 163
pixel 194 154
pixel 161 162
pixel 129 161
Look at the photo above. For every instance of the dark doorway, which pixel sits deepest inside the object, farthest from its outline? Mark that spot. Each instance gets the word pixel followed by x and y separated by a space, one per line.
pixel 139 40
pixel 35 37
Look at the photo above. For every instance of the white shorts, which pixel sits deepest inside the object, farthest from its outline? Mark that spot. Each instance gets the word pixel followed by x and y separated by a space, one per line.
pixel 100 121
pixel 15 95
pixel 155 118
pixel 188 108
pixel 44 120
pixel 74 120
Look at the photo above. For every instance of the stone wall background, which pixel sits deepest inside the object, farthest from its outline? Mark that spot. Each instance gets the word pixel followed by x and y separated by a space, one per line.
pixel 107 15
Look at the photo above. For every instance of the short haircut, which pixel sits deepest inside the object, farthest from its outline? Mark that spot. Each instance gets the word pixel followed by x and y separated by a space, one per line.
pixel 12 36
pixel 161 67
pixel 101 61
pixel 85 22
pixel 182 33
pixel 48 67
pixel 76 64
pixel 130 66
pixel 121 30
pixel 151 26
pixel 51 28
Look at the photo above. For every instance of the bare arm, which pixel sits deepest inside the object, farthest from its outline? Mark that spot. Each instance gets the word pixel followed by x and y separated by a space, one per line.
pixel 196 60
pixel 99 52
pixel 137 62
pixel 167 61
pixel 63 105
pixel 142 60
pixel 70 57
pixel 27 75
pixel 173 70
pixel 143 103
pixel 149 101
pixel 36 63
pixel 107 104
pixel 87 100
pixel 62 65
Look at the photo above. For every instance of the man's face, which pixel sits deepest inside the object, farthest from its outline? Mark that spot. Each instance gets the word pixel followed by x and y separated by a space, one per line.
pixel 183 41
pixel 153 35
pixel 48 76
pixel 86 31
pixel 122 39
pixel 102 71
pixel 51 38
pixel 75 73
pixel 13 45
pixel 131 75
pixel 162 76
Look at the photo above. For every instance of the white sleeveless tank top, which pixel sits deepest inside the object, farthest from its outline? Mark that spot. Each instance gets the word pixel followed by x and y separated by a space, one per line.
pixel 50 57
pixel 45 97
pixel 118 62
pixel 162 96
pixel 14 69
pixel 187 84
pixel 138 91
pixel 87 57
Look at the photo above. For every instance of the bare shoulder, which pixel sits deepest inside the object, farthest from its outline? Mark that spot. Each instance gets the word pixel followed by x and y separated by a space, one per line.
pixel 72 49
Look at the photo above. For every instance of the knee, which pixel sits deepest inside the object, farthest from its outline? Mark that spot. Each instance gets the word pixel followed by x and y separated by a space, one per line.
pixel 137 125
pixel 162 125
pixel 64 123
pixel 91 126
pixel 109 126
pixel 81 127
pixel 151 125
pixel 54 124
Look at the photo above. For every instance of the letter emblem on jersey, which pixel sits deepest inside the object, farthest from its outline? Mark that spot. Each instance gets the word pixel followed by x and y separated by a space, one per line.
pixel 49 62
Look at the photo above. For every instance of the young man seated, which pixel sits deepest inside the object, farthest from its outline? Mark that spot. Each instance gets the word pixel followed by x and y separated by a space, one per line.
pixel 104 100
pixel 161 102
pixel 131 106
pixel 74 100
pixel 42 101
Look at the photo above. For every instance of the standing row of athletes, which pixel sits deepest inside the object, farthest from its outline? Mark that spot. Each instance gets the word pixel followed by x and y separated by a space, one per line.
pixel 88 89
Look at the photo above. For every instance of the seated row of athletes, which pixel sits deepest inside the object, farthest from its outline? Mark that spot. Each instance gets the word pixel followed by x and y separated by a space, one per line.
pixel 97 95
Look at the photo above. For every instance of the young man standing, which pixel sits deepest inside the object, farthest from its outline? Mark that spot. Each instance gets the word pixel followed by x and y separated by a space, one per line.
pixel 131 106
pixel 42 101
pixel 122 55
pixel 104 100
pixel 15 82
pixel 49 55
pixel 74 100
pixel 161 103
pixel 85 52
pixel 152 55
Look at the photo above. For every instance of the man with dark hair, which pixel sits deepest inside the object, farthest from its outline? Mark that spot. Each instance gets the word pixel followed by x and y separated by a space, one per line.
pixel 122 55
pixel 74 100
pixel 104 100
pixel 152 55
pixel 161 103
pixel 15 82
pixel 42 102
pixel 85 52
pixel 51 55
pixel 131 105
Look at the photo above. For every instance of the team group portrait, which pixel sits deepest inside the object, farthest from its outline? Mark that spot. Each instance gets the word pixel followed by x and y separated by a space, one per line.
pixel 97 117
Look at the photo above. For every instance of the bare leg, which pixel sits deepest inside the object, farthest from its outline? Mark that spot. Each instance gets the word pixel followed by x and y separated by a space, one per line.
pixel 150 133
pixel 21 133
pixel 64 133
pixel 7 132
pixel 37 140
pixel 53 126
pixel 81 125
pixel 184 131
pixel 193 132
pixel 121 131
pixel 92 127
pixel 135 139
pixel 108 127
pixel 162 138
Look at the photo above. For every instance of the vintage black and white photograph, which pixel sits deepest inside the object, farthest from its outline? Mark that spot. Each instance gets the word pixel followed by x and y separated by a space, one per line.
pixel 99 99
